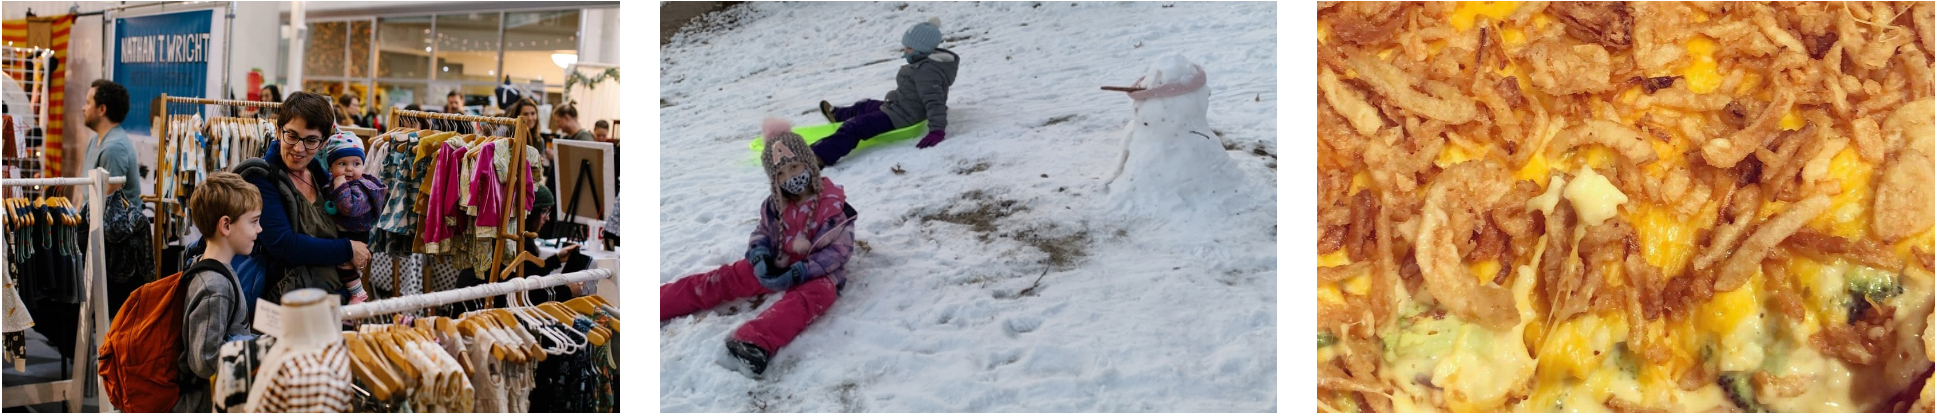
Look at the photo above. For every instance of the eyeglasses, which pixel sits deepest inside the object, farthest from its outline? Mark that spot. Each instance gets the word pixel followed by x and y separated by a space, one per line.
pixel 309 143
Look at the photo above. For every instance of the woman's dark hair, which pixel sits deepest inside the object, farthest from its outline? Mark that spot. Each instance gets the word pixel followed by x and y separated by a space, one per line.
pixel 344 100
pixel 114 96
pixel 315 111
pixel 275 94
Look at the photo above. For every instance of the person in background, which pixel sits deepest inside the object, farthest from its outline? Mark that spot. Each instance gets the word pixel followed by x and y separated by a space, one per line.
pixel 410 122
pixel 566 119
pixel 921 93
pixel 346 111
pixel 601 132
pixel 130 263
pixel 453 104
pixel 270 93
pixel 228 211
pixel 526 110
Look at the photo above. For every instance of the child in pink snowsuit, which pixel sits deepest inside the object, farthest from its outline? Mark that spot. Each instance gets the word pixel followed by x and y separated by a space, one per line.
pixel 800 247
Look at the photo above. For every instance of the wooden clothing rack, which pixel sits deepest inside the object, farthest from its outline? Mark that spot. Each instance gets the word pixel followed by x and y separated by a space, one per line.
pixel 519 177
pixel 94 300
pixel 166 210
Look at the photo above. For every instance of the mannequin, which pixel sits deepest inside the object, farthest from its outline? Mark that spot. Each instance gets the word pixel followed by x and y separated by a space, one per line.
pixel 309 320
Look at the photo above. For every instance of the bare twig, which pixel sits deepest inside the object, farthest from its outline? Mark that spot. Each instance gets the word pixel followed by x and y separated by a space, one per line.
pixel 1032 289
pixel 1122 89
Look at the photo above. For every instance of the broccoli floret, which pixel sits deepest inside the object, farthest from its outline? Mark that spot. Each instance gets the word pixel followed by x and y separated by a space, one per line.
pixel 1866 286
pixel 1326 339
pixel 1736 384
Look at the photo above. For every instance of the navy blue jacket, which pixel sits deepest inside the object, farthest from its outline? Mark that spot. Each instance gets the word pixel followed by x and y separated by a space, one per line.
pixel 279 244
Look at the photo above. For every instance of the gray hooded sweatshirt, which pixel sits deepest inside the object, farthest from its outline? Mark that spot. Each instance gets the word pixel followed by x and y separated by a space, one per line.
pixel 922 91
pixel 214 313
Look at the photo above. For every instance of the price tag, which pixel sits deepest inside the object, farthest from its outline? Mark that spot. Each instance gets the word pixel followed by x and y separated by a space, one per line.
pixel 269 318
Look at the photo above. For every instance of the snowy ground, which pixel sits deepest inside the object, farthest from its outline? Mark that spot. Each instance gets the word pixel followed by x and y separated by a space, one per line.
pixel 989 275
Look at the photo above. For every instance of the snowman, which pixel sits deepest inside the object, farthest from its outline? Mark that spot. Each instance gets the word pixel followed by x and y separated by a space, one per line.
pixel 1171 163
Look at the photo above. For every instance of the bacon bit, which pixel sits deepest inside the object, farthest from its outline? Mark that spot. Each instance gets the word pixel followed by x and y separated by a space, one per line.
pixel 1605 22
pixel 1360 233
pixel 1820 44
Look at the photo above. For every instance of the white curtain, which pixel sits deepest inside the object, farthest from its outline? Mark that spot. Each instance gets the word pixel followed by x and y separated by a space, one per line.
pixel 595 103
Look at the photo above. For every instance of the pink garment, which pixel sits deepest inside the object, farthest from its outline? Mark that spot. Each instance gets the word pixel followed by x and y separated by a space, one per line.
pixel 440 218
pixel 773 328
pixel 485 191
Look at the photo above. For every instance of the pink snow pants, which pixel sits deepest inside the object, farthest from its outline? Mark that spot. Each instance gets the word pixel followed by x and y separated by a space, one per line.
pixel 774 328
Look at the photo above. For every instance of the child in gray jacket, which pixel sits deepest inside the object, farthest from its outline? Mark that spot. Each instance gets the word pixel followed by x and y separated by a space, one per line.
pixel 921 93
pixel 228 211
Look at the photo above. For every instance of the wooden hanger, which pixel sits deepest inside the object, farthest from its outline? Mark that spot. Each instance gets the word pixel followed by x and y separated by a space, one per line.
pixel 387 344
pixel 516 262
pixel 374 373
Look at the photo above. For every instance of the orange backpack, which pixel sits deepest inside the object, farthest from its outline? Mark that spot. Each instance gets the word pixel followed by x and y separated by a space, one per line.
pixel 140 354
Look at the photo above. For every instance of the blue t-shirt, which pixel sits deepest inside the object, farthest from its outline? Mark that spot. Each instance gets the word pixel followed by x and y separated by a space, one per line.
pixel 250 274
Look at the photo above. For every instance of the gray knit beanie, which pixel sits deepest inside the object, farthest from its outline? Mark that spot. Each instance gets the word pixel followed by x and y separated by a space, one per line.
pixel 925 36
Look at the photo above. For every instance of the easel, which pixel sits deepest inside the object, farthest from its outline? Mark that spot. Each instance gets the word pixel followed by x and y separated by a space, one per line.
pixel 514 200
pixel 168 209
pixel 578 232
pixel 94 305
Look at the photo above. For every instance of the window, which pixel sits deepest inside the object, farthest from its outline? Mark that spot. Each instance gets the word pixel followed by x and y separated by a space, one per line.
pixel 539 45
pixel 324 55
pixel 467 47
pixel 404 47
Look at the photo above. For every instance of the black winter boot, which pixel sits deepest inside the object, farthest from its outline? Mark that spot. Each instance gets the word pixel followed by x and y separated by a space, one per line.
pixel 753 361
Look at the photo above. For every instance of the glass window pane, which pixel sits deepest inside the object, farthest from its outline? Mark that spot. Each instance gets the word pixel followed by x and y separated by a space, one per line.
pixel 467 47
pixel 539 45
pixel 324 55
pixel 359 40
pixel 401 95
pixel 404 47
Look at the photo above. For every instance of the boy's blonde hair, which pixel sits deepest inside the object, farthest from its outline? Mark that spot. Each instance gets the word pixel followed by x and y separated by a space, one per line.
pixel 223 194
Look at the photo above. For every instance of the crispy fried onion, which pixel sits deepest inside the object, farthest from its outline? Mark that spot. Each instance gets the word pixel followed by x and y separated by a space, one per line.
pixel 1355 371
pixel 1592 287
pixel 1395 163
pixel 1865 251
pixel 1739 214
pixel 1454 205
pixel 1348 102
pixel 1334 213
pixel 1367 23
pixel 1904 203
pixel 1605 22
pixel 1869 141
pixel 1743 263
pixel 1785 297
pixel 1617 136
pixel 1440 102
pixel 1862 342
pixel 1562 69
pixel 1725 152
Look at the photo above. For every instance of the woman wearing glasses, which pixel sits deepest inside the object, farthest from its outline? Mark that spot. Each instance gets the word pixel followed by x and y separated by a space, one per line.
pixel 299 246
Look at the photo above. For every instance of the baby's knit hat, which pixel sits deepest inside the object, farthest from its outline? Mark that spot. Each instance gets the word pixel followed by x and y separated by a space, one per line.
pixel 786 149
pixel 924 37
pixel 340 145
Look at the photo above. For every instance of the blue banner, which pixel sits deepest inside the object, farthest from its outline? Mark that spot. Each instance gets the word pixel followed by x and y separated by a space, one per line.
pixel 161 54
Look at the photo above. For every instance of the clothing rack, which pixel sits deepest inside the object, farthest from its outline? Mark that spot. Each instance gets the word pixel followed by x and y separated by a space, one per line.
pixel 166 210
pixel 519 177
pixel 383 307
pixel 94 305
pixel 29 68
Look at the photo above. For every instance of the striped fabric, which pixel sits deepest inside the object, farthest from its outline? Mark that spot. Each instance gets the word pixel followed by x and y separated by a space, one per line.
pixel 16 32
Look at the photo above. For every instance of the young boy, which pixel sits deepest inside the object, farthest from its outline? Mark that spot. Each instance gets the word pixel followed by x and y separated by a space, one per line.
pixel 800 246
pixel 353 199
pixel 228 211
pixel 921 93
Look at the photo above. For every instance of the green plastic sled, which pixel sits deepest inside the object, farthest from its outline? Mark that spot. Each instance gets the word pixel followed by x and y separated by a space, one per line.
pixel 816 133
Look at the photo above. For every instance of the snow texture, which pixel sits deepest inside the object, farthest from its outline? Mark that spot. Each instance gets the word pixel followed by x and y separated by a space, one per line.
pixel 993 272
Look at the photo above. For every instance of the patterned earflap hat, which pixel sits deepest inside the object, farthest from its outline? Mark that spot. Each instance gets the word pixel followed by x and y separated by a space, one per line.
pixel 786 151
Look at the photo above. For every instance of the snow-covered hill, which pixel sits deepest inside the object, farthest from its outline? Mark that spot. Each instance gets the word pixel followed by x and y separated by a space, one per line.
pixel 990 272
